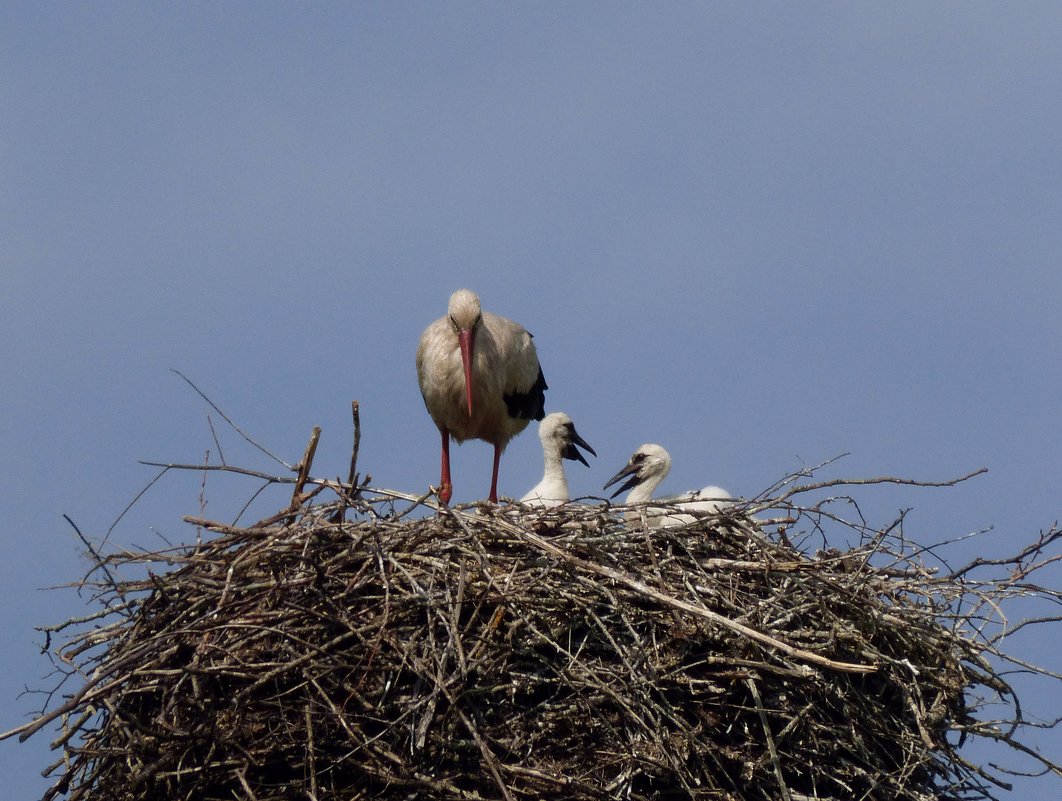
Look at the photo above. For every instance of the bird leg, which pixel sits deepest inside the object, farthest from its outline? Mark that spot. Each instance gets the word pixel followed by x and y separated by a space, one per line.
pixel 446 489
pixel 493 497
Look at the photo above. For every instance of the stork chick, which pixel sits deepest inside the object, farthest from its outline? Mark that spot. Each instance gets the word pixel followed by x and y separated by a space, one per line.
pixel 560 441
pixel 480 379
pixel 647 467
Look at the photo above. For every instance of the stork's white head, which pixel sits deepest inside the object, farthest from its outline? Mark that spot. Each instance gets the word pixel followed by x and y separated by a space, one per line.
pixel 464 310
pixel 650 463
pixel 465 317
pixel 558 435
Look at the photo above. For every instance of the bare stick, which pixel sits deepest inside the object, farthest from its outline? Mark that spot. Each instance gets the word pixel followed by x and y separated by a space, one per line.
pixel 770 738
pixel 217 442
pixel 132 503
pixel 305 465
pixel 352 476
pixel 228 420
pixel 856 482
pixel 101 563
pixel 303 468
pixel 224 468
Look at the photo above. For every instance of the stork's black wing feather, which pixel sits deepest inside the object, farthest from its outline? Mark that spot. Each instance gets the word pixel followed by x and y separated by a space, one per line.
pixel 530 405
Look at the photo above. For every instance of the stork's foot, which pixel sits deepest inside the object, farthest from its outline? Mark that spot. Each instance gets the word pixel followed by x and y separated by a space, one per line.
pixel 446 492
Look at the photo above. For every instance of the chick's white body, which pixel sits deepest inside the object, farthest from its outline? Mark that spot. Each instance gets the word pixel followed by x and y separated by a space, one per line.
pixel 559 441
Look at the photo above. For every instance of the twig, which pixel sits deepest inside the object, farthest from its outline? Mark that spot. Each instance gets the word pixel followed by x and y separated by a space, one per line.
pixel 303 469
pixel 228 420
pixel 782 788
pixel 217 442
pixel 352 476
pixel 224 468
pixel 306 464
pixel 859 482
pixel 132 503
pixel 101 564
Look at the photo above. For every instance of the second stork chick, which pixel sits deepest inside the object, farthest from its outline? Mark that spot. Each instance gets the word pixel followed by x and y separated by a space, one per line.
pixel 560 441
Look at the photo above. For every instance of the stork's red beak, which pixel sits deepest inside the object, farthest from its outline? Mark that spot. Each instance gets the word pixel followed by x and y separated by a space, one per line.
pixel 467 340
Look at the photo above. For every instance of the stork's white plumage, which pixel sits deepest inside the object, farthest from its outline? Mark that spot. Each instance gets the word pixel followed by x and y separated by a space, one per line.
pixel 560 441
pixel 480 379
pixel 647 467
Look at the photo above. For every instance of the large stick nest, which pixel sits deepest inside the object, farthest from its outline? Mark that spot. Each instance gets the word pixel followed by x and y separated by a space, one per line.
pixel 509 653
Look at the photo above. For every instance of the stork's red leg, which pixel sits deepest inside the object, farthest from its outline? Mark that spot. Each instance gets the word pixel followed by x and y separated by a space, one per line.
pixel 446 490
pixel 493 497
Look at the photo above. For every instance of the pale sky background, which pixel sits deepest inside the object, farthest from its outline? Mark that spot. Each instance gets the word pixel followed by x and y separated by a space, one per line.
pixel 760 234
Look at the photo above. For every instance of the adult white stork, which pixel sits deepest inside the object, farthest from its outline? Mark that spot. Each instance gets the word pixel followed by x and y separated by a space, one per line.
pixel 480 379
pixel 647 467
pixel 560 441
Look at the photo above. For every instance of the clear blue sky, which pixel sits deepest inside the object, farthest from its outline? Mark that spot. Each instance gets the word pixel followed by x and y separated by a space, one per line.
pixel 760 234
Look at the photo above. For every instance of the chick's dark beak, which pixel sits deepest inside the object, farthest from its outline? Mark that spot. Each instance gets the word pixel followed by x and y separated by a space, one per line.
pixel 572 452
pixel 629 470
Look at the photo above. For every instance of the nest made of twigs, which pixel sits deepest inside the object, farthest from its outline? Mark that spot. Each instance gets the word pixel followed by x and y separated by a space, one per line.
pixel 508 653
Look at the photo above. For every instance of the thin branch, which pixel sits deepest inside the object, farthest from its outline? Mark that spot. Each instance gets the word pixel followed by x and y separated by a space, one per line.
pixel 132 503
pixel 859 482
pixel 352 476
pixel 228 420
pixel 217 442
pixel 224 468
pixel 779 776
pixel 101 565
